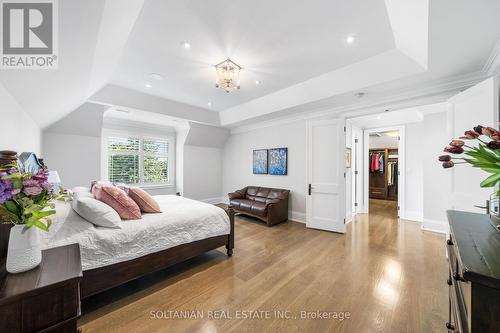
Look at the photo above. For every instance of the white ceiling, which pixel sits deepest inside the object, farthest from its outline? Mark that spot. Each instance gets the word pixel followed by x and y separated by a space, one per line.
pixel 279 42
pixel 386 119
pixel 296 48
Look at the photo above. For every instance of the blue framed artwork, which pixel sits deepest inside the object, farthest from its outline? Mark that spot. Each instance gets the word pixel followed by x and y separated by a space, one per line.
pixel 260 162
pixel 278 161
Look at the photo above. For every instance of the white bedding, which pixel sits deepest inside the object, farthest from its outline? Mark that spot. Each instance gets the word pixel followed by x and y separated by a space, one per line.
pixel 182 221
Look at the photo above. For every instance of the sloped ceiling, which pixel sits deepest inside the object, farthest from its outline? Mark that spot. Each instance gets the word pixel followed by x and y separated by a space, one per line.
pixel 89 50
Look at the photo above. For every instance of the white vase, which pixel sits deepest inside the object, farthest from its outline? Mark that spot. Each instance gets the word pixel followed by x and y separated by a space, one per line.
pixel 24 252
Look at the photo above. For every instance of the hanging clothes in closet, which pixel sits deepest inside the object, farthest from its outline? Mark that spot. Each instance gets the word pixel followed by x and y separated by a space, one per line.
pixel 376 162
pixel 392 173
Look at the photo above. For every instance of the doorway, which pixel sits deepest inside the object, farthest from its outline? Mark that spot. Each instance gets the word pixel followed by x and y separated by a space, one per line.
pixel 383 171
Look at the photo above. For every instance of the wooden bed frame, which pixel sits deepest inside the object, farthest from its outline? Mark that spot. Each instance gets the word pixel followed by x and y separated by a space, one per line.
pixel 100 279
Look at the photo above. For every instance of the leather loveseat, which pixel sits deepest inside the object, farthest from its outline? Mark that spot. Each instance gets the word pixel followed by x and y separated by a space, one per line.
pixel 267 204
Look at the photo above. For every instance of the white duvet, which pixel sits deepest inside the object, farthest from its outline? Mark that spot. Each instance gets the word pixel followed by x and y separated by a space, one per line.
pixel 182 221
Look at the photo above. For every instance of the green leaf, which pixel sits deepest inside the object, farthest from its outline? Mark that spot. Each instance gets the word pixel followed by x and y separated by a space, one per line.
pixel 16 175
pixel 491 180
pixel 44 213
pixel 18 183
pixel 41 225
pixel 11 206
pixel 8 217
pixel 481 154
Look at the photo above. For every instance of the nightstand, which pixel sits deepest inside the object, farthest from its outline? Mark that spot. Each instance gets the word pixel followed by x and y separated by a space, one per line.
pixel 44 299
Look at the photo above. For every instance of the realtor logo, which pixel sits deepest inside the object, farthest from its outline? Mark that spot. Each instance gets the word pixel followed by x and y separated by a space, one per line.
pixel 29 34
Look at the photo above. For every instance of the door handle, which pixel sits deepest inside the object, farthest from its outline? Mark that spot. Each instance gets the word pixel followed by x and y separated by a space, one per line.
pixel 310 189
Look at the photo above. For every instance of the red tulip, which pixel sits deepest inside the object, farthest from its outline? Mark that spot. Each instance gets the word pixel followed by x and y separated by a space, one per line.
pixel 493 145
pixel 448 164
pixel 453 150
pixel 479 129
pixel 444 158
pixel 457 143
pixel 470 135
pixel 489 131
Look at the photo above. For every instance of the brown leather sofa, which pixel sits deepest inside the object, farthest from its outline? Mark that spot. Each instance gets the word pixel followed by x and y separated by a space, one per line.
pixel 267 204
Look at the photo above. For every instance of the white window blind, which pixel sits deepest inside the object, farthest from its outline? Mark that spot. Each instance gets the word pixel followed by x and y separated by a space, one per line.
pixel 138 160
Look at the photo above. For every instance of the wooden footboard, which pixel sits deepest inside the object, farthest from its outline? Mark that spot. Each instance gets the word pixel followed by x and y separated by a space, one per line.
pixel 99 279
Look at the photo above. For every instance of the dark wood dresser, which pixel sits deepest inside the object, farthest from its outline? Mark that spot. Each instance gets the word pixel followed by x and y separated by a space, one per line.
pixel 473 250
pixel 44 299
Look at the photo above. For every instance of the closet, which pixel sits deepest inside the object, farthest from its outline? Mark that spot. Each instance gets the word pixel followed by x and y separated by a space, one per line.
pixel 383 169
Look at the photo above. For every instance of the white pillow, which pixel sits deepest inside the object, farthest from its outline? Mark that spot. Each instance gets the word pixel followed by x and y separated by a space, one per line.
pixel 97 212
pixel 81 192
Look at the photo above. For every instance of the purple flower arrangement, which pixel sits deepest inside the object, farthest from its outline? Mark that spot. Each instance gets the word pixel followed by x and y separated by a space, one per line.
pixel 27 198
pixel 486 155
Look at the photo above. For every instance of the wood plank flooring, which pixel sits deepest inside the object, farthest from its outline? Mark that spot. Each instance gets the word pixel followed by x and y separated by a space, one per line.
pixel 389 276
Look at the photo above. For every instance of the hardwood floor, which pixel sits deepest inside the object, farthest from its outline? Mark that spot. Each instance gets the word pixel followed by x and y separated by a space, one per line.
pixel 389 276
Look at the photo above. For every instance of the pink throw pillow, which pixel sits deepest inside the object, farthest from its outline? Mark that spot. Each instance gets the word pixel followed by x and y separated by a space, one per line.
pixel 145 201
pixel 118 200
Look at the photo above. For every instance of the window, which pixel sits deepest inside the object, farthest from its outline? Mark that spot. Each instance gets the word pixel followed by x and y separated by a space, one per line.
pixel 137 159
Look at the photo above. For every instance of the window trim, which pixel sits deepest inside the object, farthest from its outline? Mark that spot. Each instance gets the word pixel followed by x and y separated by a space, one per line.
pixel 170 138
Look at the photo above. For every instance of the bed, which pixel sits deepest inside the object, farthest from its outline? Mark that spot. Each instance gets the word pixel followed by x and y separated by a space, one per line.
pixel 111 257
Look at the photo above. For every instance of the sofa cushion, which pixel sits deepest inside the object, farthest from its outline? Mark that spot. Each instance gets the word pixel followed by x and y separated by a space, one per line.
pixel 252 191
pixel 236 203
pixel 259 199
pixel 259 208
pixel 246 205
pixel 277 194
pixel 263 192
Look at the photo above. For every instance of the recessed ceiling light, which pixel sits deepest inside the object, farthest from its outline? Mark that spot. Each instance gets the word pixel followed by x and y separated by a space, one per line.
pixel 359 94
pixel 350 39
pixel 147 85
pixel 156 76
pixel 185 44
pixel 378 117
pixel 209 104
pixel 257 82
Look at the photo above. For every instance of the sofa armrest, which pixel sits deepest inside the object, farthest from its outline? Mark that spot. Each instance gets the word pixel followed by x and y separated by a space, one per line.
pixel 238 194
pixel 277 212
pixel 234 195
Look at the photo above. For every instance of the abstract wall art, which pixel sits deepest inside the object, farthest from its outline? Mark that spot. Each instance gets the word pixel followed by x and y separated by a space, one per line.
pixel 278 161
pixel 260 162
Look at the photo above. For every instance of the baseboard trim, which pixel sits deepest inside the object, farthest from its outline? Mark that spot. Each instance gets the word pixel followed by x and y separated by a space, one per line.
pixel 296 216
pixel 215 200
pixel 349 217
pixel 435 226
pixel 413 216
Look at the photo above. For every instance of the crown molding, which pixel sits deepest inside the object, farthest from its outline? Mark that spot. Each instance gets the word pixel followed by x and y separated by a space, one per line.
pixel 492 65
pixel 429 93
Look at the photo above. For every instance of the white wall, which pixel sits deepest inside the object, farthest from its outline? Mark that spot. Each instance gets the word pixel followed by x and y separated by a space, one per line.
pixel 437 184
pixel 202 173
pixel 414 171
pixel 18 132
pixel 76 158
pixel 199 162
pixel 238 155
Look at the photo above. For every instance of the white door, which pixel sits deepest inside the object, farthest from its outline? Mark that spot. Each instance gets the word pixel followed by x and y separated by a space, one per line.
pixel 325 204
pixel 477 105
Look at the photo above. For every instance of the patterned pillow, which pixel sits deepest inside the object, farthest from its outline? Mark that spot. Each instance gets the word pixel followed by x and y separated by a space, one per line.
pixel 118 199
pixel 145 201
